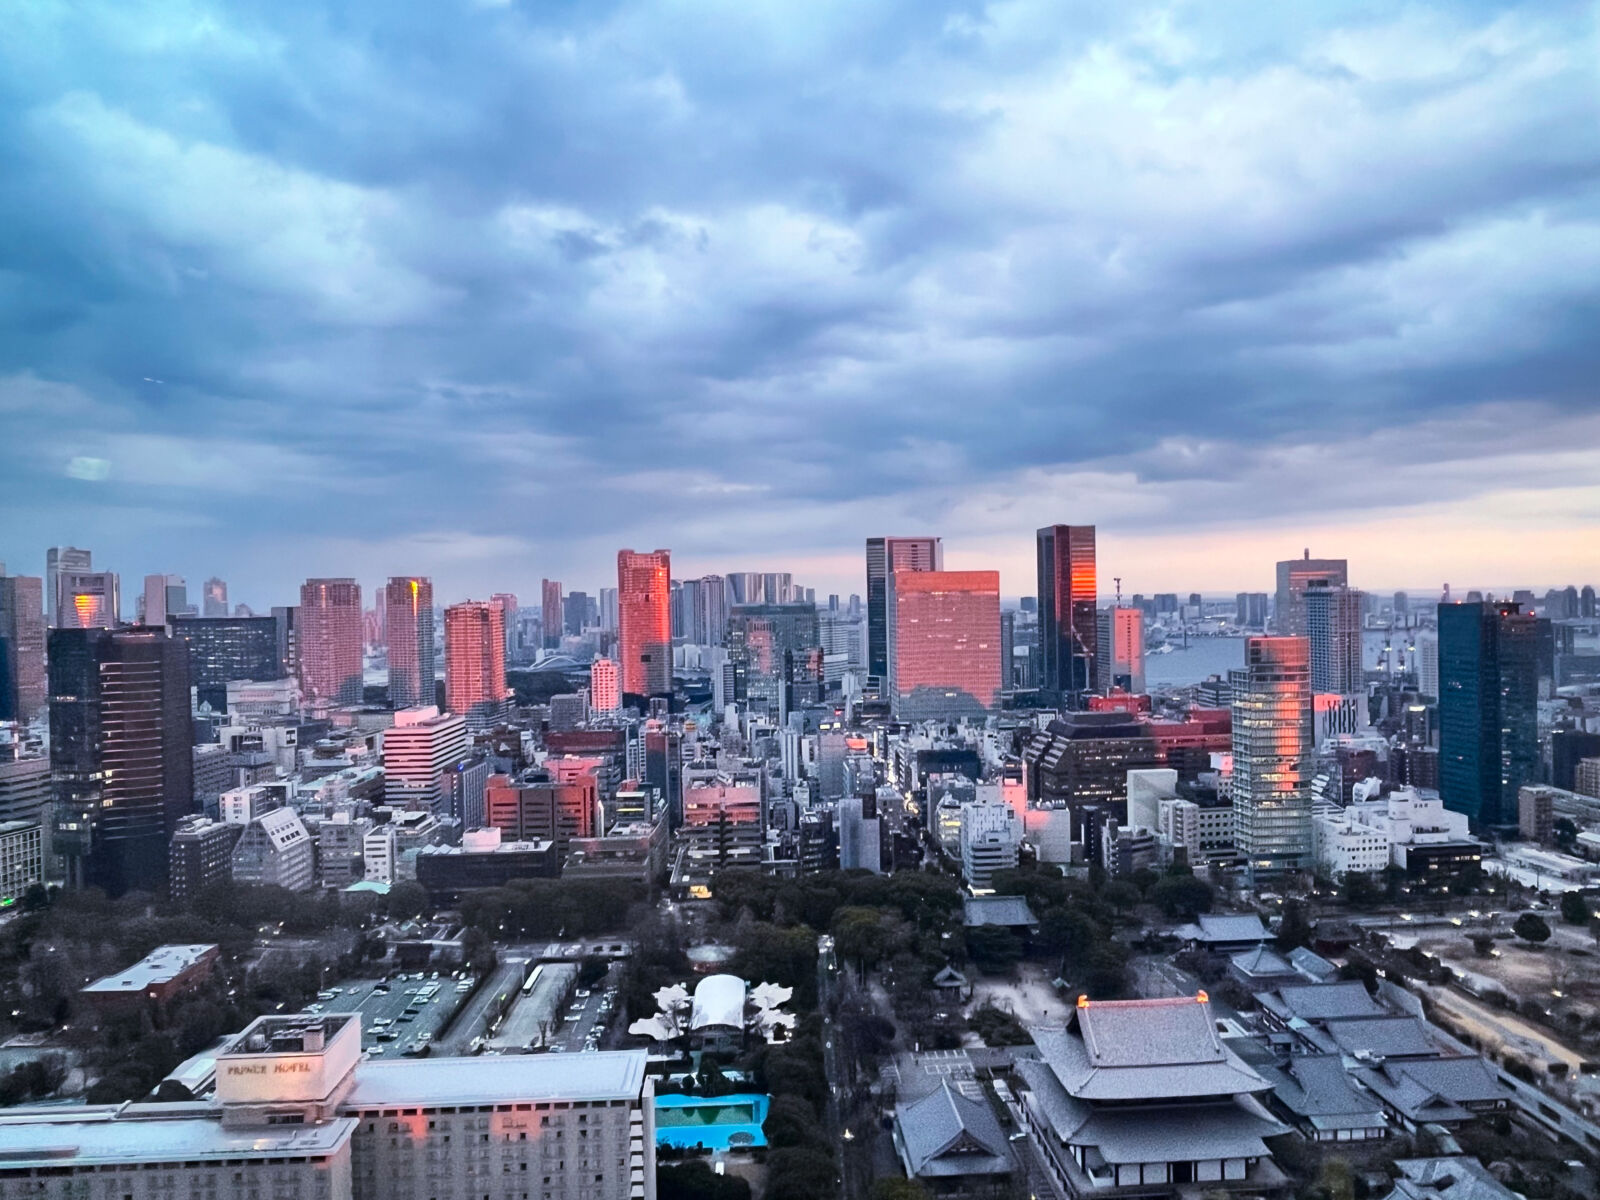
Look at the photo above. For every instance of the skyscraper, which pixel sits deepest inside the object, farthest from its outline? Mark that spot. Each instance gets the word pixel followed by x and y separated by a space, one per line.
pixel 227 648
pixel 1294 576
pixel 886 555
pixel 328 633
pixel 23 687
pixel 763 638
pixel 608 609
pixel 1120 639
pixel 1488 710
pixel 475 662
pixel 214 599
pixel 1068 628
pixel 644 626
pixel 1333 628
pixel 1272 755
pixel 87 600
pixel 59 561
pixel 508 617
pixel 408 628
pixel 944 643
pixel 120 753
pixel 550 612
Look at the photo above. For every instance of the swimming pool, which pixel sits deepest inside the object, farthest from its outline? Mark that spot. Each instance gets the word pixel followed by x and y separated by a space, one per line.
pixel 714 1122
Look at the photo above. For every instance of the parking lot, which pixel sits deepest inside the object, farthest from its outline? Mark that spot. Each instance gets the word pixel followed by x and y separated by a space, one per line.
pixel 400 1015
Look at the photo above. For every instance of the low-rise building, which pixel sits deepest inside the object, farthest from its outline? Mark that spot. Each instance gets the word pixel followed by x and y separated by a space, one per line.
pixel 156 979
pixel 953 1146
pixel 21 858
pixel 276 851
pixel 483 860
pixel 200 855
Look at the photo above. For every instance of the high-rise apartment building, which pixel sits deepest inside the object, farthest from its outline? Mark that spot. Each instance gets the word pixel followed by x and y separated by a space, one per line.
pixel 944 643
pixel 1068 627
pixel 1250 610
pixel 1294 576
pixel 605 686
pixel 507 603
pixel 223 650
pixel 475 662
pixel 418 749
pixel 1333 628
pixel 550 612
pixel 1488 710
pixel 286 618
pixel 608 609
pixel 120 752
pixel 165 597
pixel 408 629
pixel 24 691
pixel 60 561
pixel 644 624
pixel 199 856
pixel 1425 662
pixel 328 630
pixel 214 598
pixel 886 555
pixel 1272 755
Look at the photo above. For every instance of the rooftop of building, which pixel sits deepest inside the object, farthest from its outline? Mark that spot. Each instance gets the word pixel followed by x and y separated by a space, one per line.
pixel 1225 927
pixel 948 1134
pixel 161 965
pixel 1010 911
pixel 605 1075
pixel 112 1135
pixel 1335 1000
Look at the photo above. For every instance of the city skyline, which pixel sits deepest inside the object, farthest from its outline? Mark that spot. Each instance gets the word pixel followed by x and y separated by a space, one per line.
pixel 246 329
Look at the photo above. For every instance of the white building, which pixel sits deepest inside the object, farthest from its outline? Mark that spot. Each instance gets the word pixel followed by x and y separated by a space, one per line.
pixel 422 744
pixel 860 838
pixel 1178 823
pixel 1341 846
pixel 21 858
pixel 378 853
pixel 1147 788
pixel 605 685
pixel 262 700
pixel 276 851
pixel 1369 835
pixel 1427 660
pixel 299 1115
pixel 990 839
pixel 240 806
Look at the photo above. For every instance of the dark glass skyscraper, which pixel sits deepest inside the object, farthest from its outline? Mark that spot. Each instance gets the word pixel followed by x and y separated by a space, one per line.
pixel 120 752
pixel 224 648
pixel 1488 702
pixel 1068 625
pixel 885 555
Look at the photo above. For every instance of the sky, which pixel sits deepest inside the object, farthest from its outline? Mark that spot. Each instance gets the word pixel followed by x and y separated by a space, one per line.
pixel 488 291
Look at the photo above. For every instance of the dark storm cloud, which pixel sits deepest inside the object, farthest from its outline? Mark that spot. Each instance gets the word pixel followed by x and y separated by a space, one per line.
pixel 492 289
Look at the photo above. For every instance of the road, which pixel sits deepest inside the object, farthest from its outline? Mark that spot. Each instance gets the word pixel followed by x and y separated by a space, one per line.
pixel 388 1001
pixel 483 1007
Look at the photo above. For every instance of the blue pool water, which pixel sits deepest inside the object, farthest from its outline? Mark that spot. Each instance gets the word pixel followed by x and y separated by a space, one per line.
pixel 716 1122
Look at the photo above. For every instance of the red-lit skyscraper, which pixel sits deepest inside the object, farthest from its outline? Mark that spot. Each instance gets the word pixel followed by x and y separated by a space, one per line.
pixel 328 634
pixel 550 612
pixel 408 630
pixel 475 662
pixel 944 643
pixel 644 636
pixel 885 555
pixel 1068 624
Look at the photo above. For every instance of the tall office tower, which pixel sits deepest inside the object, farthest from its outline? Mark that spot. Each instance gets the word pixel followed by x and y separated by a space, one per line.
pixel 1333 627
pixel 408 626
pixel 886 555
pixel 605 686
pixel 550 612
pixel 575 612
pixel 1586 606
pixel 1068 627
pixel 1272 755
pixel 1250 610
pixel 222 649
pixel 675 602
pixel 1120 638
pixel 1488 710
pixel 165 597
pixel 87 600
pixel 777 587
pixel 1008 650
pixel 286 617
pixel 475 662
pixel 1402 605
pixel 376 622
pixel 120 750
pixel 762 638
pixel 711 613
pixel 1294 576
pixel 608 609
pixel 24 691
pixel 59 561
pixel 507 603
pixel 214 598
pixel 644 639
pixel 328 633
pixel 944 643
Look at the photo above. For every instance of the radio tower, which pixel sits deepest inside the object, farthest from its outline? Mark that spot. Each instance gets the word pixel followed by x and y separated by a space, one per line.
pixel 1117 579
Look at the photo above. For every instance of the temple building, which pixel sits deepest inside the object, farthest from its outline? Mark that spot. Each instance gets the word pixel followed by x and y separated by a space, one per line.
pixel 1138 1093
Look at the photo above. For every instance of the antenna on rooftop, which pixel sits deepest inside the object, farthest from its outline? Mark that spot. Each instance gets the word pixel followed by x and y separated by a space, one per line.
pixel 1117 579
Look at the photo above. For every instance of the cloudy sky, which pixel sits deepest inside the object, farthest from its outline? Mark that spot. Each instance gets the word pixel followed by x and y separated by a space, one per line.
pixel 487 291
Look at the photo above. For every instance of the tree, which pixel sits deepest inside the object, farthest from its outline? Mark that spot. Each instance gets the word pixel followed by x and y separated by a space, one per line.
pixel 1121 895
pixel 1294 930
pixel 1564 831
pixel 1531 927
pixel 1361 890
pixel 994 948
pixel 801 1175
pixel 897 1189
pixel 860 934
pixel 1574 908
pixel 695 1180
pixel 406 899
pixel 792 1122
pixel 1182 896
